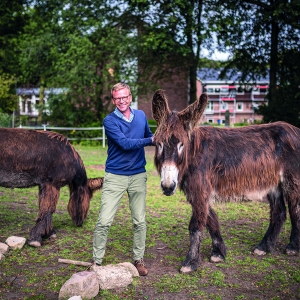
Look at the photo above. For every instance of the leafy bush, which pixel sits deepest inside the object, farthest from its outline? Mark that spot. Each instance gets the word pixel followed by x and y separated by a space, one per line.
pixel 5 120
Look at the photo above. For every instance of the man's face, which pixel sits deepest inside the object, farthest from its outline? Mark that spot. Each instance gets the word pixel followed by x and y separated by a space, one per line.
pixel 122 99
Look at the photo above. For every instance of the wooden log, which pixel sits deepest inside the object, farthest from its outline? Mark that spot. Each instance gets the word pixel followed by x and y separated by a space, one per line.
pixel 74 262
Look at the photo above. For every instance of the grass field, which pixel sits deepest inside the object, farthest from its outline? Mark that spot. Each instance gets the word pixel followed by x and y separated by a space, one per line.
pixel 34 273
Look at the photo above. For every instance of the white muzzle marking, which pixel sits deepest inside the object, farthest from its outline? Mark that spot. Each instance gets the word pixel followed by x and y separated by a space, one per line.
pixel 169 178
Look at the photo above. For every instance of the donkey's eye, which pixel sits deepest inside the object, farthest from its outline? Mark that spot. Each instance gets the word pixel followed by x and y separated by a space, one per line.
pixel 160 147
pixel 180 148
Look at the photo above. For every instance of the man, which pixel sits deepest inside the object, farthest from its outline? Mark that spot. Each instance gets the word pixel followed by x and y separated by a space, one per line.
pixel 127 133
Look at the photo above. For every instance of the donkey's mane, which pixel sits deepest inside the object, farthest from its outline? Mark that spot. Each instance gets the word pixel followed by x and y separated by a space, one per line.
pixel 62 138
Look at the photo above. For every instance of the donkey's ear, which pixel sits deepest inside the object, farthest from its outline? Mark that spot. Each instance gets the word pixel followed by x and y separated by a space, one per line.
pixel 190 116
pixel 160 107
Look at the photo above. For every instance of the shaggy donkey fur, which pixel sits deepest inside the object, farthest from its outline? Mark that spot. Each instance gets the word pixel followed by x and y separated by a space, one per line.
pixel 211 163
pixel 45 159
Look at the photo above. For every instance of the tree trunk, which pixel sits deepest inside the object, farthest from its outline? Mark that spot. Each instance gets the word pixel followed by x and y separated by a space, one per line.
pixel 273 61
pixel 193 85
pixel 194 58
pixel 41 102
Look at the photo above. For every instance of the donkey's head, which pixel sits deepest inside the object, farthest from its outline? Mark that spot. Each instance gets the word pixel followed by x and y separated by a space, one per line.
pixel 80 198
pixel 172 138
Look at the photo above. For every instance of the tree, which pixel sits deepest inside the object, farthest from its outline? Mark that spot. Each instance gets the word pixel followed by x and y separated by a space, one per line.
pixel 72 45
pixel 38 46
pixel 287 105
pixel 12 22
pixel 170 33
pixel 8 99
pixel 258 34
pixel 88 61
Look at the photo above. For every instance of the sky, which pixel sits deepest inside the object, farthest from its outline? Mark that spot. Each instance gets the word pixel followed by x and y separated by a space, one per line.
pixel 215 56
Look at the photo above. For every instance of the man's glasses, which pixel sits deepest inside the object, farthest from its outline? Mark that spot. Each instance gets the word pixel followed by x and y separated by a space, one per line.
pixel 124 99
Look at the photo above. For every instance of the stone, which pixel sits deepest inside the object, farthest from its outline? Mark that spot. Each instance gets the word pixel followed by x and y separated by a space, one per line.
pixel 2 257
pixel 3 248
pixel 83 284
pixel 259 252
pixel 131 268
pixel 75 298
pixel 113 276
pixel 15 242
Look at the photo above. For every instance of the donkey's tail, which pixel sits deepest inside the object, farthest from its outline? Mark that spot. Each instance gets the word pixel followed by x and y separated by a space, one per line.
pixel 95 184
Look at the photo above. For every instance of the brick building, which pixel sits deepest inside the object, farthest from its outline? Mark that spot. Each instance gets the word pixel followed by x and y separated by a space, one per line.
pixel 224 94
pixel 176 89
pixel 228 95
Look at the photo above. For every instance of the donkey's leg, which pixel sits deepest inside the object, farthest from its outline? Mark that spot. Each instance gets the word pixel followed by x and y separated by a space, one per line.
pixel 196 229
pixel 48 197
pixel 192 260
pixel 218 246
pixel 293 247
pixel 277 218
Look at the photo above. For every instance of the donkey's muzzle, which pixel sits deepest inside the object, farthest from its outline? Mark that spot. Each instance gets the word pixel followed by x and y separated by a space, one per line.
pixel 169 178
pixel 168 190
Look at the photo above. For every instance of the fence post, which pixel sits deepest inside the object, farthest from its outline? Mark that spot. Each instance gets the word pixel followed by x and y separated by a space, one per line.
pixel 103 137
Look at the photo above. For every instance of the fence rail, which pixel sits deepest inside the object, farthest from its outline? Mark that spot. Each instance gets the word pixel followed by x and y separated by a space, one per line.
pixel 103 137
pixel 45 128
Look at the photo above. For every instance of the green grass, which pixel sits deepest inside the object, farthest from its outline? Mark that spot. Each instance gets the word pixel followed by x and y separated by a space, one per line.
pixel 32 273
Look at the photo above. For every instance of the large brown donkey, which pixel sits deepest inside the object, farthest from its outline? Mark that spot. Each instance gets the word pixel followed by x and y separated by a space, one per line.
pixel 211 163
pixel 45 159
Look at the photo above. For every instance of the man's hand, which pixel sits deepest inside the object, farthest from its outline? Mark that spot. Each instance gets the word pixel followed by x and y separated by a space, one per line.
pixel 153 140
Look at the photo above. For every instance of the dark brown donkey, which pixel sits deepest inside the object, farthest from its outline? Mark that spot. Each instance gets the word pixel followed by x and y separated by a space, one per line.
pixel 208 163
pixel 45 159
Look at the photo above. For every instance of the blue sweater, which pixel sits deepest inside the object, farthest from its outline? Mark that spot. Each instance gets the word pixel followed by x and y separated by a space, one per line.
pixel 126 142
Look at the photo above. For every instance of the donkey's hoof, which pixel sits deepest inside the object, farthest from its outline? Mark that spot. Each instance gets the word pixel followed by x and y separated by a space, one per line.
pixel 259 252
pixel 291 252
pixel 34 244
pixel 216 259
pixel 52 237
pixel 186 269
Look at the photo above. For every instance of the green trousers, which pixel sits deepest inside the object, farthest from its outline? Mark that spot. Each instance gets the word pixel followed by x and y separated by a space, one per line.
pixel 113 189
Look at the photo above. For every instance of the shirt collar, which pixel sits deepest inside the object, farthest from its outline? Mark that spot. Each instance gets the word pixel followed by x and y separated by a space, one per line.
pixel 121 116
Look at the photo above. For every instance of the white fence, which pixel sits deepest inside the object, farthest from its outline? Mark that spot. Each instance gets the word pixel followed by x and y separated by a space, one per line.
pixel 101 129
pixel 45 128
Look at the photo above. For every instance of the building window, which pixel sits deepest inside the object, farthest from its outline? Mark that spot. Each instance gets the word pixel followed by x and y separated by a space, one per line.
pixel 263 89
pixel 224 105
pixel 217 90
pixel 255 90
pixel 255 105
pixel 209 106
pixel 210 120
pixel 210 90
pixel 239 106
pixel 23 105
pixel 240 90
pixel 232 91
pixel 248 88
